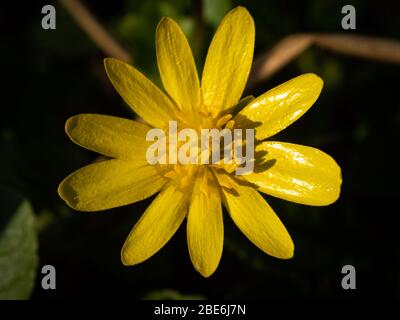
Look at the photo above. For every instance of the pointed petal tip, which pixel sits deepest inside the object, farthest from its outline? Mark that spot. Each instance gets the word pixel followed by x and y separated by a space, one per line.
pixel 110 63
pixel 166 22
pixel 284 251
pixel 68 199
pixel 73 122
pixel 69 125
pixel 243 14
pixel 330 200
pixel 289 254
pixel 206 269
pixel 107 61
pixel 314 78
pixel 165 19
pixel 59 191
pixel 162 21
pixel 205 272
pixel 287 251
pixel 240 9
pixel 127 258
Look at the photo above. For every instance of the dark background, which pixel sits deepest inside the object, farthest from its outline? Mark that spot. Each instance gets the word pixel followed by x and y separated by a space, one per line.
pixel 50 75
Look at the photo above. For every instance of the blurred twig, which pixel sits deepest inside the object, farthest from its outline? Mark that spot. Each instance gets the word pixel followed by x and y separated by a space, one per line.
pixel 266 64
pixel 95 30
pixel 362 46
pixel 290 47
pixel 285 51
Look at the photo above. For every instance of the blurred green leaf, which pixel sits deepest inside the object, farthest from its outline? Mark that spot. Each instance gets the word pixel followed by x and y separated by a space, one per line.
pixel 214 11
pixel 18 246
pixel 169 294
pixel 188 26
pixel 332 72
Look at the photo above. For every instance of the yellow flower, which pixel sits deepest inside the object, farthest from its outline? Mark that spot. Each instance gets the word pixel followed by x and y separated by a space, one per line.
pixel 292 172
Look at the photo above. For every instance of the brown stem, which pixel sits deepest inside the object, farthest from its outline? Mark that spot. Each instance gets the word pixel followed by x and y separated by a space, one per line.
pixel 362 46
pixel 289 48
pixel 266 64
pixel 95 30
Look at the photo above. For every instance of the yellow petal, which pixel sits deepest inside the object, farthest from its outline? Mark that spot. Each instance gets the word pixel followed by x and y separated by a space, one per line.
pixel 176 64
pixel 256 219
pixel 156 226
pixel 296 173
pixel 144 97
pixel 110 184
pixel 111 136
pixel 205 229
pixel 228 61
pixel 278 108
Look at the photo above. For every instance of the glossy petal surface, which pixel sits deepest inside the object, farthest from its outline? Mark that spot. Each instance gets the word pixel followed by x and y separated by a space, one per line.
pixel 296 173
pixel 281 106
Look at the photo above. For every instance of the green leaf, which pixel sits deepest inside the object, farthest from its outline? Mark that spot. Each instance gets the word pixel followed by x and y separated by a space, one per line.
pixel 18 246
pixel 170 294
pixel 214 11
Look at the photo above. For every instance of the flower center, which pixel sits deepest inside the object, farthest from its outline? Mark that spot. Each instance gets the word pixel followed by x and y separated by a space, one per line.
pixel 208 141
